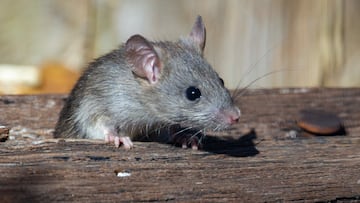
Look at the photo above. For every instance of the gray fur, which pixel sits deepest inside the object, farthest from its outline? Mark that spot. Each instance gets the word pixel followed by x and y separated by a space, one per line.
pixel 109 96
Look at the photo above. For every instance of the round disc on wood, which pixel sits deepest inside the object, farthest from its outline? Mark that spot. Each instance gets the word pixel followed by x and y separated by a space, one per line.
pixel 319 122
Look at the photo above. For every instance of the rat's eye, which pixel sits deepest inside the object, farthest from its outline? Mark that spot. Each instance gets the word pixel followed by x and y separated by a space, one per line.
pixel 222 81
pixel 193 93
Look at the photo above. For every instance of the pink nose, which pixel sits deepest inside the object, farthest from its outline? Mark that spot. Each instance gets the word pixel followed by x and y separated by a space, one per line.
pixel 234 116
pixel 234 119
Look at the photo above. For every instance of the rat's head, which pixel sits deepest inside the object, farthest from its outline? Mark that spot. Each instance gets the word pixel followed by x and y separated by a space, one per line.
pixel 179 85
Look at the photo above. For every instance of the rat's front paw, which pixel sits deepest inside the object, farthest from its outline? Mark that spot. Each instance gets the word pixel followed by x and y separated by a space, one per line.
pixel 187 140
pixel 124 140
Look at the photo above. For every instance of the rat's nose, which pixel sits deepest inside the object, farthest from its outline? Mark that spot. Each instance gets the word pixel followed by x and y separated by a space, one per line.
pixel 234 120
pixel 233 115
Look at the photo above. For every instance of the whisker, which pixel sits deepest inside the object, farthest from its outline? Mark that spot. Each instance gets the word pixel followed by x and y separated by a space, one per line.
pixel 252 66
pixel 241 91
pixel 202 136
pixel 195 134
pixel 183 130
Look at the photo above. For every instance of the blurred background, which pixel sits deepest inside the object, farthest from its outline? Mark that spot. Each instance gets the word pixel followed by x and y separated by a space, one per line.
pixel 44 45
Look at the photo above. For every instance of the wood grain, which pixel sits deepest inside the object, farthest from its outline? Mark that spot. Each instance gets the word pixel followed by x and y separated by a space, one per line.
pixel 265 158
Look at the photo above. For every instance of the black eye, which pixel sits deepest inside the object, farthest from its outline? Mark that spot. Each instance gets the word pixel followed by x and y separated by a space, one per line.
pixel 193 93
pixel 222 81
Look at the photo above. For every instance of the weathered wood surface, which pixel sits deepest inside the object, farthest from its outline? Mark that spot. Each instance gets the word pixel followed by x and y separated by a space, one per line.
pixel 259 160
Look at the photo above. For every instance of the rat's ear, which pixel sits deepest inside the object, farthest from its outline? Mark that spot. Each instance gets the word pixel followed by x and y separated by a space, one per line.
pixel 198 34
pixel 143 58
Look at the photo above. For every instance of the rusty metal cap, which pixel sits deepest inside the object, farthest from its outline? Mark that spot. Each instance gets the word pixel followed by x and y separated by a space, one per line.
pixel 319 122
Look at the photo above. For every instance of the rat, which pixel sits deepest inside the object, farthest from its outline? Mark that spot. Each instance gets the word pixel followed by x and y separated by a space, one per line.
pixel 144 86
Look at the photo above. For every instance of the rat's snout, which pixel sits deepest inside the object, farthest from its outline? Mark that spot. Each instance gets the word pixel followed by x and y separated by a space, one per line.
pixel 232 115
pixel 234 119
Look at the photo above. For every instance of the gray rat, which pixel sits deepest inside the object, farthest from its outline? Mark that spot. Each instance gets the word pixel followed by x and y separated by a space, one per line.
pixel 144 86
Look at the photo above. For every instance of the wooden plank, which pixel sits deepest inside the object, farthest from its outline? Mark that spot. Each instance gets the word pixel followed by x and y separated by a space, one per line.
pixel 260 160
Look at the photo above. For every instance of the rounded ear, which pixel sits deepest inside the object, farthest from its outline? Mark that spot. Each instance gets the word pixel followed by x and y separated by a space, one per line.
pixel 143 58
pixel 198 34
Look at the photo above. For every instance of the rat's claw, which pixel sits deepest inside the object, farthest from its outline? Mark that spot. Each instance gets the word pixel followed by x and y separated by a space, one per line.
pixel 117 141
pixel 195 146
pixel 126 141
pixel 187 141
pixel 184 145
pixel 195 143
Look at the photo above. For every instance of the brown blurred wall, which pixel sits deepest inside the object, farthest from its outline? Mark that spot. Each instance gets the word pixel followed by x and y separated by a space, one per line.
pixel 302 43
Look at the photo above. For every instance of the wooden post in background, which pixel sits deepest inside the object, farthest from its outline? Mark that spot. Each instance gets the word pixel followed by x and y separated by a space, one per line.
pixel 301 43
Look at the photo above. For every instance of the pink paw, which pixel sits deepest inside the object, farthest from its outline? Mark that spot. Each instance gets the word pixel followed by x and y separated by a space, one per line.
pixel 124 140
pixel 186 141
